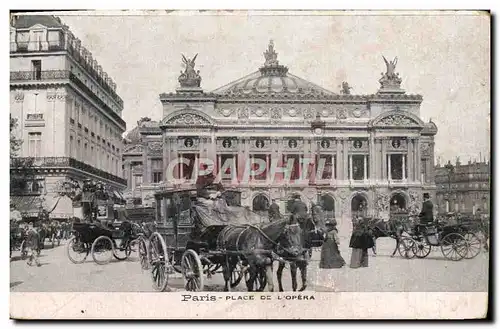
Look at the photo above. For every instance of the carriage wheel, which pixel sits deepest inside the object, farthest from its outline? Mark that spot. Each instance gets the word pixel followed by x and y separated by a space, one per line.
pixel 80 250
pixel 122 252
pixel 159 262
pixel 24 252
pixel 406 248
pixel 192 271
pixel 422 249
pixel 473 246
pixel 260 281
pixel 102 250
pixel 236 275
pixel 143 254
pixel 453 246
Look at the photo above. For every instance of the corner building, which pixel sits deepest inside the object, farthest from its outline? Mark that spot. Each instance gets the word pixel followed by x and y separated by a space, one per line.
pixel 68 113
pixel 376 150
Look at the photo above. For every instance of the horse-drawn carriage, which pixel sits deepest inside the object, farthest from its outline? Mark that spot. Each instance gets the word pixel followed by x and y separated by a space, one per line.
pixel 200 236
pixel 100 241
pixel 456 241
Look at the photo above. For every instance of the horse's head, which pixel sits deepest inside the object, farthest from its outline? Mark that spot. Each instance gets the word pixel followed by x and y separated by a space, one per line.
pixel 291 239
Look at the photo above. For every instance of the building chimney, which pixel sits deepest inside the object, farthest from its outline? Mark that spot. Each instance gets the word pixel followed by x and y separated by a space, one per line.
pixel 458 161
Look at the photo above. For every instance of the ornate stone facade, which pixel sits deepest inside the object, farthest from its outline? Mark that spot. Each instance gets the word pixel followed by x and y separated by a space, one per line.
pixel 377 149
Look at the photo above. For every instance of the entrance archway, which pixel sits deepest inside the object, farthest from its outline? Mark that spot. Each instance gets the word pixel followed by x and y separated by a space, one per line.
pixel 398 204
pixel 260 204
pixel 359 206
pixel 327 202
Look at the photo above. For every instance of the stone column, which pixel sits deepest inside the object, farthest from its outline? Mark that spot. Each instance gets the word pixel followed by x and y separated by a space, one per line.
pixel 365 167
pixel 338 162
pixel 404 166
pixel 410 161
pixel 145 164
pixel 419 164
pixel 384 158
pixel 389 174
pixel 373 159
pixel 345 170
pixel 350 168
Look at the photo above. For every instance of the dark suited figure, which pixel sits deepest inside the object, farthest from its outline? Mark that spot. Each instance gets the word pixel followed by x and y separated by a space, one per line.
pixel 274 211
pixel 426 215
pixel 299 210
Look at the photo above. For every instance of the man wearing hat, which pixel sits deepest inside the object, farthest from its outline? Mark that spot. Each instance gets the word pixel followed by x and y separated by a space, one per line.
pixel 426 214
pixel 274 211
pixel 299 209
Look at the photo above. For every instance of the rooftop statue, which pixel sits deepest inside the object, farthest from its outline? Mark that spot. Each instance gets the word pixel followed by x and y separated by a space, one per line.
pixel 346 89
pixel 190 77
pixel 390 79
pixel 391 67
pixel 270 55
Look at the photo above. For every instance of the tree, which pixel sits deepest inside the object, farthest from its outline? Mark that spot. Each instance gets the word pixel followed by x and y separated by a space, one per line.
pixel 21 170
pixel 15 143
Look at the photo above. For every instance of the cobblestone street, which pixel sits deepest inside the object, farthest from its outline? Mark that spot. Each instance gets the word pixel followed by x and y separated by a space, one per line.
pixel 58 274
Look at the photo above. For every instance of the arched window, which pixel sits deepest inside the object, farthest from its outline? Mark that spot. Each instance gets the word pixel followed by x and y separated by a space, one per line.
pixel 260 203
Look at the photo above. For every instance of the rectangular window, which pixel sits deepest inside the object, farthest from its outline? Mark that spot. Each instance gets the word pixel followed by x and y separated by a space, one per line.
pixel 85 153
pixel 78 149
pixel 398 167
pixel 71 145
pixel 157 177
pixel 92 155
pixel 325 166
pixel 229 163
pixel 137 181
pixel 34 144
pixel 36 68
pixel 359 167
pixel 259 161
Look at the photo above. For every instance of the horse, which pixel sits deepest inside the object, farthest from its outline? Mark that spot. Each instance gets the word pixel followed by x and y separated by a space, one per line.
pixel 392 229
pixel 257 243
pixel 312 229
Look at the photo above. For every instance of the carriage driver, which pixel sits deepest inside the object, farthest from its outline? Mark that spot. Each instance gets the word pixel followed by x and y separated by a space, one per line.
pixel 426 215
pixel 299 210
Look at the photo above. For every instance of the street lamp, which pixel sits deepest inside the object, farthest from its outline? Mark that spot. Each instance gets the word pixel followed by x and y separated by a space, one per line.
pixel 450 170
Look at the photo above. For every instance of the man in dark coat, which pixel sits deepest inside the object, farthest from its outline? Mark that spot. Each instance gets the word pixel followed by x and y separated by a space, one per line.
pixel 426 214
pixel 274 211
pixel 299 210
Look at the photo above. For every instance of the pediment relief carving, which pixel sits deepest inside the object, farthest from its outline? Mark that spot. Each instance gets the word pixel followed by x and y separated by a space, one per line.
pixel 188 119
pixel 397 120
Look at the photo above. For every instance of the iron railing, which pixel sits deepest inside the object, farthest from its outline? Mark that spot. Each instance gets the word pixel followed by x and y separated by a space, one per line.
pixel 39 75
pixel 45 162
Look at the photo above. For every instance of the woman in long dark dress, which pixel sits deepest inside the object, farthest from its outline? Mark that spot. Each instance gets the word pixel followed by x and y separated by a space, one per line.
pixel 330 253
pixel 361 241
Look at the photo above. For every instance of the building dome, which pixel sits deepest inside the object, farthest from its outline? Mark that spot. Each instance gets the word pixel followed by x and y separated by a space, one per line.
pixel 271 78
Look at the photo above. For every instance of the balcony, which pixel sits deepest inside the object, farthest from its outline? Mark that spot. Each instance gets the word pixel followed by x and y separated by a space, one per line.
pixel 39 75
pixel 63 162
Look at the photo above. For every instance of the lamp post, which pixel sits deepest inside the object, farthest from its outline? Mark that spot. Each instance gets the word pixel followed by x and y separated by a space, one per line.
pixel 450 170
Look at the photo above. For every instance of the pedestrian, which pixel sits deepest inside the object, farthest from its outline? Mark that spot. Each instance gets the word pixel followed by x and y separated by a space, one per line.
pixel 361 241
pixel 32 245
pixel 274 211
pixel 330 253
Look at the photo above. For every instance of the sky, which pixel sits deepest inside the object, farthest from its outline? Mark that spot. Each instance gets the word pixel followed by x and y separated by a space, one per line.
pixel 444 58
